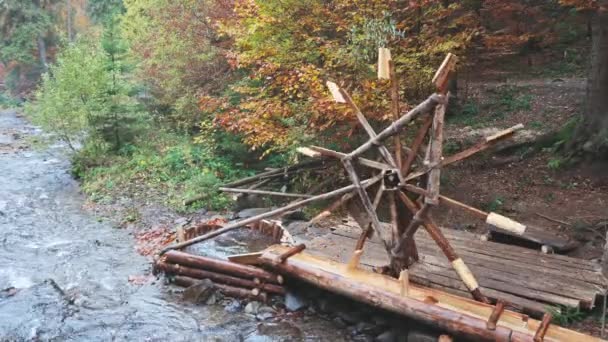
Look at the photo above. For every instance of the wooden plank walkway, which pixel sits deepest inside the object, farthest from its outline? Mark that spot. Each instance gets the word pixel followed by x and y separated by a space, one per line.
pixel 527 279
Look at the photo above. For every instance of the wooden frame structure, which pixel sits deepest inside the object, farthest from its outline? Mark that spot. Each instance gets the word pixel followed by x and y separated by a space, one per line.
pixel 411 193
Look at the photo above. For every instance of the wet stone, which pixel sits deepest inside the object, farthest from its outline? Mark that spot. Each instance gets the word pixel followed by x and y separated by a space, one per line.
pixel 199 292
pixel 253 308
pixel 387 336
pixel 234 306
pixel 294 302
pixel 250 212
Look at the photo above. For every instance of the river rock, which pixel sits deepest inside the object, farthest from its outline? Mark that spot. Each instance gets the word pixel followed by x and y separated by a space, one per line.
pixel 253 308
pixel 387 336
pixel 420 336
pixel 234 306
pixel 250 212
pixel 298 227
pixel 294 302
pixel 199 292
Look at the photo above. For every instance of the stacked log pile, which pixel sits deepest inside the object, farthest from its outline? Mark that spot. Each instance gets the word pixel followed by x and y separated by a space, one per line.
pixel 230 278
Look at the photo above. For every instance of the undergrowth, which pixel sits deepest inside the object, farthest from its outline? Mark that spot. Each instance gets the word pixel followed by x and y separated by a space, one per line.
pixel 163 167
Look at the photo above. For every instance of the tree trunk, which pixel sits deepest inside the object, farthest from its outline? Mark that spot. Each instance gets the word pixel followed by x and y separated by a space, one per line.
pixel 70 25
pixel 42 53
pixel 592 133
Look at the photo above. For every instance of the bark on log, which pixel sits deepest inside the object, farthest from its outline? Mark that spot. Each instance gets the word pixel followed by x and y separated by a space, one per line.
pixel 263 192
pixel 481 146
pixel 226 267
pixel 418 140
pixel 428 313
pixel 435 155
pixel 176 269
pixel 230 291
pixel 453 313
pixel 424 107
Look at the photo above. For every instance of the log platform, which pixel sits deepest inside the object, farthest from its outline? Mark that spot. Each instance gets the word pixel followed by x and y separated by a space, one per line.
pixel 528 280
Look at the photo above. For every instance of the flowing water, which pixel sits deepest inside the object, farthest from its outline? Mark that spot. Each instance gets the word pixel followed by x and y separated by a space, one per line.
pixel 64 274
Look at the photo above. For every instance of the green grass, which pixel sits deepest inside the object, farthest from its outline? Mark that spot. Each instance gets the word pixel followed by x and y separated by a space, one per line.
pixel 566 316
pixel 165 168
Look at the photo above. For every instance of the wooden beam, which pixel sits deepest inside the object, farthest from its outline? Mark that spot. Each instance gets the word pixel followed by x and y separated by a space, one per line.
pixel 481 146
pixel 395 127
pixel 448 312
pixel 264 192
pixel 272 213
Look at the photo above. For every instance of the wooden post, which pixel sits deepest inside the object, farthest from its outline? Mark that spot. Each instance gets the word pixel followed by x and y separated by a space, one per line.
pixel 293 251
pixel 424 107
pixel 542 328
pixel 459 266
pixel 418 140
pixel 495 316
pixel 367 203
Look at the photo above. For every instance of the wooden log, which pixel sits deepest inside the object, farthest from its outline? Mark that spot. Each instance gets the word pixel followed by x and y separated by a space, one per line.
pixel 418 140
pixel 339 155
pixel 274 172
pixel 230 291
pixel 226 267
pixel 459 266
pixel 542 329
pixel 220 278
pixel 246 258
pixel 378 196
pixel 442 75
pixel 495 316
pixel 481 146
pixel 384 152
pixel 367 203
pixel 263 192
pixel 494 219
pixel 272 213
pixel 424 107
pixel 384 60
pixel 291 252
pixel 436 152
pixel 453 314
pixel 395 111
pixel 358 290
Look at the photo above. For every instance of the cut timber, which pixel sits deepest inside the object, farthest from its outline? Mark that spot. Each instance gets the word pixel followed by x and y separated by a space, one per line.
pixel 505 223
pixel 263 192
pixel 246 258
pixel 515 274
pixel 454 314
pixel 442 75
pixel 227 290
pixel 175 269
pixel 335 92
pixel 201 262
pixel 481 146
pixel 384 58
pixel 536 235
